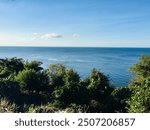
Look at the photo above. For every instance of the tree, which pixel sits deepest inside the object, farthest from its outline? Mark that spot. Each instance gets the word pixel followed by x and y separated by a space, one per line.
pixel 10 66
pixel 70 90
pixel 9 89
pixel 120 97
pixel 65 83
pixel 32 80
pixel 99 92
pixel 33 65
pixel 97 84
pixel 56 73
pixel 140 86
pixel 141 69
pixel 140 98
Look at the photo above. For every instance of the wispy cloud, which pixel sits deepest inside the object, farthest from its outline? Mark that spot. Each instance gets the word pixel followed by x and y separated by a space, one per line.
pixel 51 35
pixel 33 37
pixel 47 36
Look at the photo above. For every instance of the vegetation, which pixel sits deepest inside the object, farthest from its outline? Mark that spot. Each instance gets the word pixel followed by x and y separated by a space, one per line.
pixel 27 87
pixel 140 86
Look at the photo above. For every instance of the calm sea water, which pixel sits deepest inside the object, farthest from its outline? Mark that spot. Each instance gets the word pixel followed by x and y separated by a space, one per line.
pixel 113 62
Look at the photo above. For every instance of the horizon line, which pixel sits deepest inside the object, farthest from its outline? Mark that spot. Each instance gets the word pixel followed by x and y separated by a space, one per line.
pixel 78 46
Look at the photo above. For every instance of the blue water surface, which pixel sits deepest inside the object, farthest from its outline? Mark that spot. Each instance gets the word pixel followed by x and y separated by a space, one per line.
pixel 113 62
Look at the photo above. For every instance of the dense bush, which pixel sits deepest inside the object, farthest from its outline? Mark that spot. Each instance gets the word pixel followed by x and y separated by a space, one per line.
pixel 140 86
pixel 32 80
pixel 27 87
pixel 140 99
pixel 65 84
pixel 10 90
pixel 99 90
pixel 10 66
pixel 33 65
pixel 120 97
pixel 141 69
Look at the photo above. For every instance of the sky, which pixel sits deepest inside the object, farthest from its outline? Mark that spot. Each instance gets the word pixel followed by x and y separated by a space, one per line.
pixel 75 23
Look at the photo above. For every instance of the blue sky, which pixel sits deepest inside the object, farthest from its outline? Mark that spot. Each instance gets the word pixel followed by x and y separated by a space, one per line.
pixel 89 23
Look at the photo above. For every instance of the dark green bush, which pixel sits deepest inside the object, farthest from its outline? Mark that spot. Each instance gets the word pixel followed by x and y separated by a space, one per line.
pixel 32 80
pixel 56 74
pixel 65 83
pixel 27 87
pixel 99 89
pixel 140 98
pixel 141 69
pixel 10 66
pixel 140 86
pixel 120 97
pixel 33 65
pixel 10 90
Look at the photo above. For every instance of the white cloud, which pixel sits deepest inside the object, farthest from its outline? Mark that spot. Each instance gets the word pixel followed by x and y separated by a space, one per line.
pixel 47 36
pixel 35 37
pixel 76 35
pixel 50 35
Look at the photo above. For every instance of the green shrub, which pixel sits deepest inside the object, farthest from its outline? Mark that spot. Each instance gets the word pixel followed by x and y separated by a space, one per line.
pixel 10 66
pixel 59 89
pixel 32 80
pixel 97 85
pixel 140 86
pixel 99 89
pixel 120 97
pixel 141 69
pixel 10 90
pixel 140 98
pixel 33 65
pixel 56 73
pixel 67 92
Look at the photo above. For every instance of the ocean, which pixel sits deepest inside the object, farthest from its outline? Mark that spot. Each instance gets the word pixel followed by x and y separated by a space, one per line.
pixel 113 62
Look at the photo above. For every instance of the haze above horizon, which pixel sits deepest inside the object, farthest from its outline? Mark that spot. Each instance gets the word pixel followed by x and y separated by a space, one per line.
pixel 75 23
